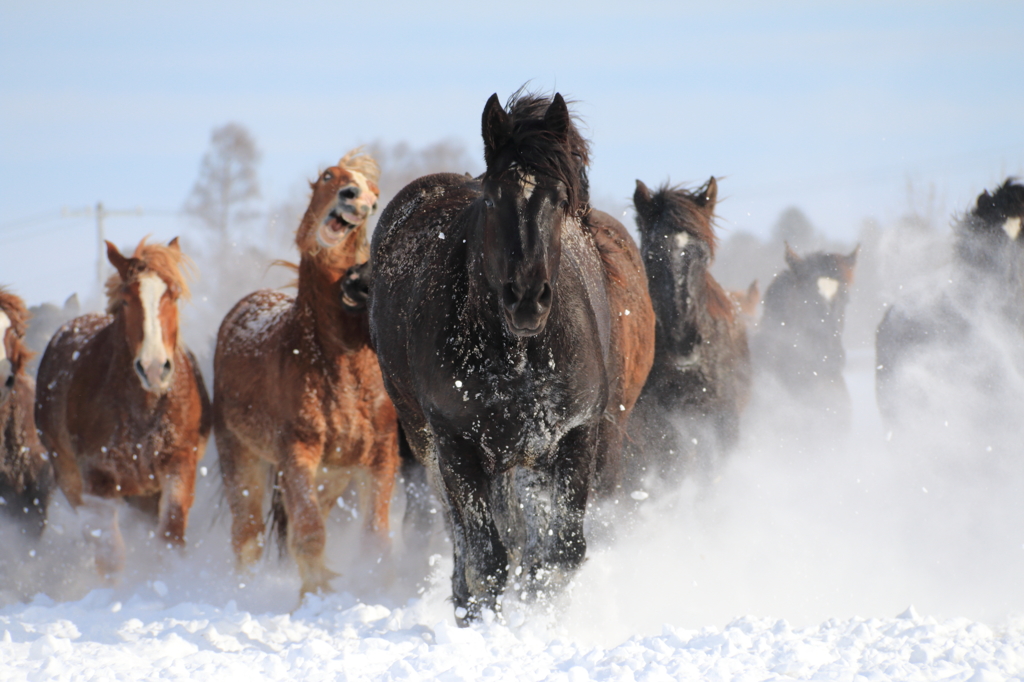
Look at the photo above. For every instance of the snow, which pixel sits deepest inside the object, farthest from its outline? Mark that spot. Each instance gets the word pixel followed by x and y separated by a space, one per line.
pixel 341 638
pixel 795 563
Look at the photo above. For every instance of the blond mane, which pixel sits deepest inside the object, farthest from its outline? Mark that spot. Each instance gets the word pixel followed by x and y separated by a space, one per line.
pixel 169 263
pixel 16 311
pixel 359 161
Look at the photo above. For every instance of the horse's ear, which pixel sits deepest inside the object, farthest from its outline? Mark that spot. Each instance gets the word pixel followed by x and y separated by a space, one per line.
pixel 754 292
pixel 709 195
pixel 173 244
pixel 848 262
pixel 642 198
pixel 793 259
pixel 557 118
pixel 119 262
pixel 495 128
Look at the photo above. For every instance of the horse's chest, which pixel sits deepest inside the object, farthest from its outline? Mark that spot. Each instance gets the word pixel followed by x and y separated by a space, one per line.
pixel 517 415
pixel 342 403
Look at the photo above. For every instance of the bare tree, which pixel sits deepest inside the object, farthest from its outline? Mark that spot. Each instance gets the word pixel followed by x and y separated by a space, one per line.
pixel 228 181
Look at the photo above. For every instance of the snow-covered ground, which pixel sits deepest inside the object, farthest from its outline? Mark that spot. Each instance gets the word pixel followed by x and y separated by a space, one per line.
pixel 840 561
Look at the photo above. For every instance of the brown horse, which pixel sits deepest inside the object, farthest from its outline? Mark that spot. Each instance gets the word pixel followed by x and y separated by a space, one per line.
pixel 25 474
pixel 299 401
pixel 122 407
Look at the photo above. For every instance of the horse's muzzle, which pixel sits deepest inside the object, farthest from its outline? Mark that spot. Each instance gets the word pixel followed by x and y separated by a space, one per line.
pixel 526 310
pixel 155 376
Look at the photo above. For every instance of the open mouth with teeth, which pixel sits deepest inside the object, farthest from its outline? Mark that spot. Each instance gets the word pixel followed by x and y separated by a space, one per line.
pixel 336 226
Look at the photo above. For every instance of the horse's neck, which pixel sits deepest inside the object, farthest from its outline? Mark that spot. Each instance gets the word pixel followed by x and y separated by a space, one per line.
pixel 319 297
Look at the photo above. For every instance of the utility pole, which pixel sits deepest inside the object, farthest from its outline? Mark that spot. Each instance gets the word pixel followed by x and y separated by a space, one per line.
pixel 101 249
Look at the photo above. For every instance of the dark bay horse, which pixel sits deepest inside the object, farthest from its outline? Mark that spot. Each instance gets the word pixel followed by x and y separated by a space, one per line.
pixel 799 344
pixel 948 351
pixel 689 411
pixel 25 475
pixel 514 333
pixel 121 405
pixel 299 403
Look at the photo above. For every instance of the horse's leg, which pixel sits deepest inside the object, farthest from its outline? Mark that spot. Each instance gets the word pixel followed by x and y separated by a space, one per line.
pixel 418 521
pixel 306 534
pixel 100 529
pixel 566 544
pixel 481 561
pixel 245 476
pixel 177 479
pixel 382 469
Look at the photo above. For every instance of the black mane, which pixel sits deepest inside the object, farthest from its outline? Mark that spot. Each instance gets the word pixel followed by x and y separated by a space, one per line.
pixel 676 205
pixel 1007 202
pixel 535 147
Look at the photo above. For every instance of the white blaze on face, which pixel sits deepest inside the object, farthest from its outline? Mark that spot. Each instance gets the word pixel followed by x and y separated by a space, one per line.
pixel 363 206
pixel 827 287
pixel 527 182
pixel 1012 227
pixel 153 353
pixel 682 239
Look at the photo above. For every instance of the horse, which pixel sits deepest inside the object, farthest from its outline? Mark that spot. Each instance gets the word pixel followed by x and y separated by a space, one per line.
pixel 299 402
pixel 514 331
pixel 689 412
pixel 948 350
pixel 26 479
pixel 121 404
pixel 799 344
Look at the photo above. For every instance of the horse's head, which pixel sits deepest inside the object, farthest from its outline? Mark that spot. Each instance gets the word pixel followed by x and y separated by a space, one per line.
pixel 824 279
pixel 989 237
pixel 344 198
pixel 13 351
pixel 535 180
pixel 677 242
pixel 145 292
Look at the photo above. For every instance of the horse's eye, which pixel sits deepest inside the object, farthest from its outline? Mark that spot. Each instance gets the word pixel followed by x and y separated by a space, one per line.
pixel 328 176
pixel 488 202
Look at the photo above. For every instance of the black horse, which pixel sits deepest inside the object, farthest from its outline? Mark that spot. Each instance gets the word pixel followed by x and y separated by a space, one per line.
pixel 948 352
pixel 491 314
pixel 799 345
pixel 688 413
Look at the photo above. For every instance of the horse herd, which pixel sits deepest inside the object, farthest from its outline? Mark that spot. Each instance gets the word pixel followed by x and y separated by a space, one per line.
pixel 499 344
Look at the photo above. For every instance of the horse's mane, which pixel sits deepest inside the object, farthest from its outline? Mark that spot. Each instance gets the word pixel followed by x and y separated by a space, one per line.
pixel 16 311
pixel 165 261
pixel 680 206
pixel 361 162
pixel 19 317
pixel 1006 202
pixel 541 151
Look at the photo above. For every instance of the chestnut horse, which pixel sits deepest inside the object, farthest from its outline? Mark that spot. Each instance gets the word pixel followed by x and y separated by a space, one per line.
pixel 25 475
pixel 299 403
pixel 689 411
pixel 514 331
pixel 121 404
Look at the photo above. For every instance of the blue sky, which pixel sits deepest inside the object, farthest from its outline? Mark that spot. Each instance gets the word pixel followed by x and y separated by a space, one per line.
pixel 830 107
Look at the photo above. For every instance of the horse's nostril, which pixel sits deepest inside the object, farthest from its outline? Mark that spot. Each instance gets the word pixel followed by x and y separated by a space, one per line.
pixel 544 299
pixel 10 381
pixel 350 192
pixel 166 370
pixel 140 369
pixel 509 295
